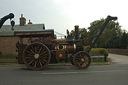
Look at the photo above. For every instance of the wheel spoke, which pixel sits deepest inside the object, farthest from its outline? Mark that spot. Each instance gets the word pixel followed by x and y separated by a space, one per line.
pixel 35 64
pixel 29 52
pixel 43 61
pixel 44 56
pixel 32 51
pixel 40 50
pixel 30 55
pixel 35 49
pixel 38 47
pixel 40 63
pixel 29 59
pixel 30 62
pixel 43 53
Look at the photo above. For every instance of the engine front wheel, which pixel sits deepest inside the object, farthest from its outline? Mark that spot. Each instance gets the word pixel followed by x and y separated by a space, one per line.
pixel 82 60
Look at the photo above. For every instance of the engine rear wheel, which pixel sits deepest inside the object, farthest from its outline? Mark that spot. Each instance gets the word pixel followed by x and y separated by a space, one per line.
pixel 82 60
pixel 36 56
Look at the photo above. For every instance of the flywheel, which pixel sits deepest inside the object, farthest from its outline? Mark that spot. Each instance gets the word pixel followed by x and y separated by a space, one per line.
pixel 36 56
pixel 82 60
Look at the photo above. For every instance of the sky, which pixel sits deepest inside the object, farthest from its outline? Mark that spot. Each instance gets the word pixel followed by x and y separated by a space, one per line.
pixel 61 15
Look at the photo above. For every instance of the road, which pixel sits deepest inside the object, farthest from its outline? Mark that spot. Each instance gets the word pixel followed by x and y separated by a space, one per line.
pixel 114 74
pixel 118 59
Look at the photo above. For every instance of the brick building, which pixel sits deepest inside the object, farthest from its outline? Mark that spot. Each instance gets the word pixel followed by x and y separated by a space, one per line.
pixel 8 40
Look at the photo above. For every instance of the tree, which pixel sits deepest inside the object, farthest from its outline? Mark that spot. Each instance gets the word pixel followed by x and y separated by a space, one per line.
pixel 114 42
pixel 111 30
pixel 82 33
pixel 124 41
pixel 110 38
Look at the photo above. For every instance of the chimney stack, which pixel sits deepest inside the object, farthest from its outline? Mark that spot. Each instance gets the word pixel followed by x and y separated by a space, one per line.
pixel 22 20
pixel 29 22
pixel 76 32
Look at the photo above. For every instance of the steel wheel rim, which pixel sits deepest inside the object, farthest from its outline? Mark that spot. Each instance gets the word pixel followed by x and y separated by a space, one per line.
pixel 36 56
pixel 82 60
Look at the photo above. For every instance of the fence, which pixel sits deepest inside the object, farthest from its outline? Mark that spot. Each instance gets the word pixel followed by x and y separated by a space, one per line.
pixel 118 51
pixel 98 58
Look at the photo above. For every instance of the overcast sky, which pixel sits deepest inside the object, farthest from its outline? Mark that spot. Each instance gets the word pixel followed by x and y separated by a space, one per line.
pixel 64 14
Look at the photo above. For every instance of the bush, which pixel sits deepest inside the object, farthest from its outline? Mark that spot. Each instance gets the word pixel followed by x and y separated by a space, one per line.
pixel 97 51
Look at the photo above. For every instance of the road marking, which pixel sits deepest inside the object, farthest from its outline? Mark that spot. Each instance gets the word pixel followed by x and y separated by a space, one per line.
pixel 55 73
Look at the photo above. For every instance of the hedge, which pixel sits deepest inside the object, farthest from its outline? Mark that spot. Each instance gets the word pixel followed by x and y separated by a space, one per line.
pixel 97 51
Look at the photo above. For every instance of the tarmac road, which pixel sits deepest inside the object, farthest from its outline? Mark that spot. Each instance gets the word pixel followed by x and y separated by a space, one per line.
pixel 65 75
pixel 118 59
pixel 114 74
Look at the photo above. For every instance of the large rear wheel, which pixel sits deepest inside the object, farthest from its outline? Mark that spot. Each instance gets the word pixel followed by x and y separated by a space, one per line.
pixel 36 56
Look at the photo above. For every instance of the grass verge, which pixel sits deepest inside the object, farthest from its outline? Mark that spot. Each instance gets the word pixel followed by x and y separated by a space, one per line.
pixel 10 64
pixel 56 64
pixel 10 60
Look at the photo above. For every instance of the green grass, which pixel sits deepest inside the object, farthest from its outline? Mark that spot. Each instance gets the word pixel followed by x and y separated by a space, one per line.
pixel 100 63
pixel 68 64
pixel 10 60
pixel 56 64
pixel 10 64
pixel 60 64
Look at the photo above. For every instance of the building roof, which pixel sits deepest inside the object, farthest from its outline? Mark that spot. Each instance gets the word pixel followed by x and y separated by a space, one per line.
pixel 6 29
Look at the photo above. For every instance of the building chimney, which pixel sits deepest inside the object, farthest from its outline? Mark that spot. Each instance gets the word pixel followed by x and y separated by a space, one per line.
pixel 29 22
pixel 22 20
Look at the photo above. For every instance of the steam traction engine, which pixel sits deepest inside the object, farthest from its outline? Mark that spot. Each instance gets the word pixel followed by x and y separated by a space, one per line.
pixel 42 48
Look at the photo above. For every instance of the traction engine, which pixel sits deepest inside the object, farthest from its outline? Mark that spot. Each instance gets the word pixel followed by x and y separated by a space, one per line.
pixel 36 49
pixel 42 48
